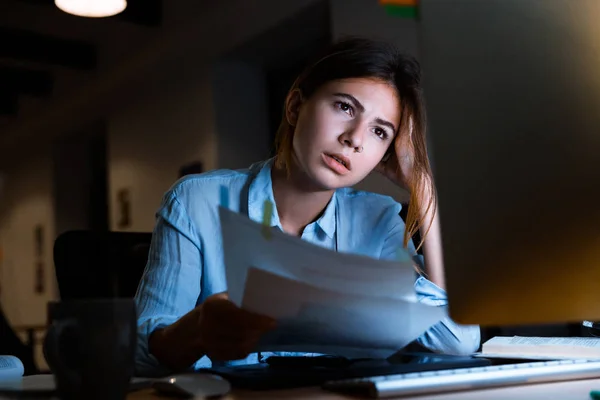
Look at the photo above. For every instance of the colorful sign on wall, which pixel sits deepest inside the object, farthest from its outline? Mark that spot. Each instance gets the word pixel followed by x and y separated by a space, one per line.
pixel 401 8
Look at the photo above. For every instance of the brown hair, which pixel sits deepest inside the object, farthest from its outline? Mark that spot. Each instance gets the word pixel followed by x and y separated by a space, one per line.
pixel 363 58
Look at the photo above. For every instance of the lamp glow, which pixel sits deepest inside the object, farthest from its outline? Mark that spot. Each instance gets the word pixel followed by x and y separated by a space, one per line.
pixel 92 8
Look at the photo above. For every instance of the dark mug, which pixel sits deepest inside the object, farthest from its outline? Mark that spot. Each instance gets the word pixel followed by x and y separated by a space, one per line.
pixel 90 347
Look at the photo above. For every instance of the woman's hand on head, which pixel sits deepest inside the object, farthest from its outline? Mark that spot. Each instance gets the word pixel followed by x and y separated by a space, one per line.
pixel 398 166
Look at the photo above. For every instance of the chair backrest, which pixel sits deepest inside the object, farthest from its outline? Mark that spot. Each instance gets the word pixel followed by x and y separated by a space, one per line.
pixel 92 264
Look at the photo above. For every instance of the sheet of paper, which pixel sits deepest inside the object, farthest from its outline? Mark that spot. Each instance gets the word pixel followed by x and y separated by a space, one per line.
pixel 313 319
pixel 324 301
pixel 527 356
pixel 536 341
pixel 544 347
pixel 245 246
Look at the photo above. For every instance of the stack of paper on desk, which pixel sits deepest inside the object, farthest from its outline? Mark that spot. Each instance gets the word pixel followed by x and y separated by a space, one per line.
pixel 324 301
pixel 542 348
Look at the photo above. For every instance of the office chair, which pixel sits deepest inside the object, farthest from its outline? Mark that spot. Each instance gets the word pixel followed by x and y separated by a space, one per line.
pixel 92 264
pixel 11 345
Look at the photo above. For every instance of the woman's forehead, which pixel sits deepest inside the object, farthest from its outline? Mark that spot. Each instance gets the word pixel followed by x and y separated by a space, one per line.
pixel 374 94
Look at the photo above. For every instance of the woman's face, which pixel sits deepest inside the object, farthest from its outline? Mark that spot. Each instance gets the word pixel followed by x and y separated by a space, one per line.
pixel 343 130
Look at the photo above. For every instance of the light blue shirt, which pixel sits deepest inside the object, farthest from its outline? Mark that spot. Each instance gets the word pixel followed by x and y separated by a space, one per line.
pixel 185 263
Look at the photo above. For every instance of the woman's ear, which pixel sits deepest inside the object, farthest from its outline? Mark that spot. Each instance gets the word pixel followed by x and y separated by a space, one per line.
pixel 293 102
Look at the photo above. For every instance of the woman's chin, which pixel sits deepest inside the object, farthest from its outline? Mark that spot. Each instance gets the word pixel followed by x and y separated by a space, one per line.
pixel 327 180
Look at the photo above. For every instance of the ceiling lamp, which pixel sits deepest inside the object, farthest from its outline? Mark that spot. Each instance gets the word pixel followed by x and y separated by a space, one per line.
pixel 91 8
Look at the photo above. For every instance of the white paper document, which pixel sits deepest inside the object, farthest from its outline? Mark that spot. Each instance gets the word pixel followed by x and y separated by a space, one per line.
pixel 541 347
pixel 324 301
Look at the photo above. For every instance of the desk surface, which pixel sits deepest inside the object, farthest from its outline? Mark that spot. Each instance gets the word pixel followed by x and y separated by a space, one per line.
pixel 570 390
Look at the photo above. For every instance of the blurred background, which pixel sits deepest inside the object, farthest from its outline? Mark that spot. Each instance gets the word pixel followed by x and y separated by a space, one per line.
pixel 100 116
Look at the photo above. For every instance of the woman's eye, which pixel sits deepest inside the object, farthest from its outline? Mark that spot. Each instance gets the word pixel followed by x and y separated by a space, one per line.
pixel 381 133
pixel 345 107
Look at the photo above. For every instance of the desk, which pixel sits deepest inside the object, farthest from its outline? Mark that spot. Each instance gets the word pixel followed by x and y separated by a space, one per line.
pixel 570 390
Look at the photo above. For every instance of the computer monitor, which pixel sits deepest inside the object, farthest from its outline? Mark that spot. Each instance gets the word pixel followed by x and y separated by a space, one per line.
pixel 513 99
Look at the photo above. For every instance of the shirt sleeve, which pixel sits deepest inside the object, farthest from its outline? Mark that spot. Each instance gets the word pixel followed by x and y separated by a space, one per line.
pixel 170 285
pixel 446 336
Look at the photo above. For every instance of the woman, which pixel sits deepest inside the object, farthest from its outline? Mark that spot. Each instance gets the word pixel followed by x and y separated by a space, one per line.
pixel 356 109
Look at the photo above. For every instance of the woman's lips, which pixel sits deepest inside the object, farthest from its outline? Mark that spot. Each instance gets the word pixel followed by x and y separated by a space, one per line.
pixel 337 163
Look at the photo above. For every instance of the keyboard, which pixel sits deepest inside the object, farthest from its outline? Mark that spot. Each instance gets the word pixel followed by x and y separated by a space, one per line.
pixel 290 372
pixel 429 382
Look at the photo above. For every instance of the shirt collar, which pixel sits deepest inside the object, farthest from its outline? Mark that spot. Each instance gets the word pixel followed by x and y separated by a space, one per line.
pixel 327 220
pixel 261 189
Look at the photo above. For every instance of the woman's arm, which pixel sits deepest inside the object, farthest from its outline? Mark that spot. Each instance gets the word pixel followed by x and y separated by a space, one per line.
pixel 175 329
pixel 168 290
pixel 446 336
pixel 399 170
pixel 178 346
pixel 432 245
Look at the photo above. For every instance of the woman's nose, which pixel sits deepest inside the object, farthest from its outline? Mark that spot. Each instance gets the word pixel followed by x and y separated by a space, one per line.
pixel 353 138
pixel 357 147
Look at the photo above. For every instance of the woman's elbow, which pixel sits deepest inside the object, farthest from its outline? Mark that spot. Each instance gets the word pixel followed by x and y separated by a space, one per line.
pixel 468 341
